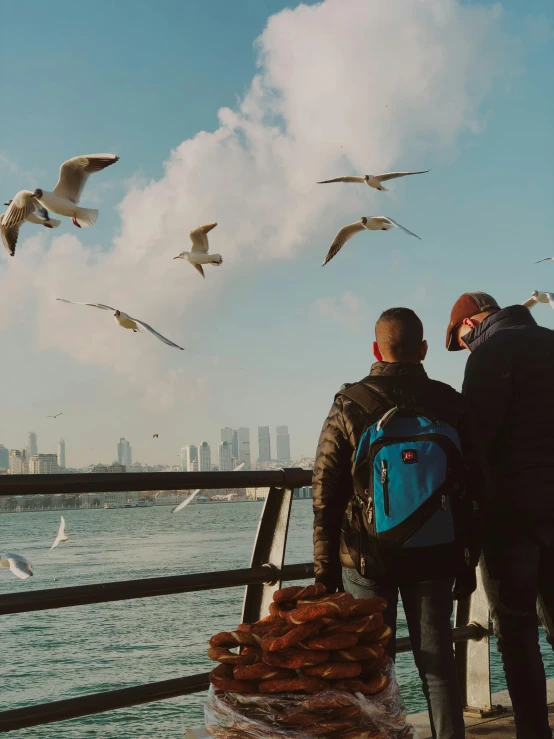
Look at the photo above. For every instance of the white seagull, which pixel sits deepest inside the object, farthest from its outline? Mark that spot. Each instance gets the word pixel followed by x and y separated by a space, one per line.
pixel 126 321
pixel 376 223
pixel 198 255
pixel 20 567
pixel 539 296
pixel 546 259
pixel 37 214
pixel 61 537
pixel 184 503
pixel 73 176
pixel 373 180
pixel 57 414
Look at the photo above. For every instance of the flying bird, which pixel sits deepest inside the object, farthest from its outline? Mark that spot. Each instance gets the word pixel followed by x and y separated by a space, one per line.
pixel 37 214
pixel 539 296
pixel 74 174
pixel 126 321
pixel 546 259
pixel 155 436
pixel 17 564
pixel 184 503
pixel 376 223
pixel 198 255
pixel 373 180
pixel 61 537
pixel 57 414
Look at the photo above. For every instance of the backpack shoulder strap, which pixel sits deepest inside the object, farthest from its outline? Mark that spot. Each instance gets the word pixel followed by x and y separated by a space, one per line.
pixel 365 396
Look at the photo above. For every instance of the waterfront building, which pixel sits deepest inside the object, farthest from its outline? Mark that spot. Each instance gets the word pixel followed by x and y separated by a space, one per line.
pixel 264 444
pixel 4 458
pixel 283 444
pixel 44 464
pixel 124 453
pixel 32 445
pixel 61 454
pixel 204 457
pixel 226 456
pixel 18 462
pixel 192 457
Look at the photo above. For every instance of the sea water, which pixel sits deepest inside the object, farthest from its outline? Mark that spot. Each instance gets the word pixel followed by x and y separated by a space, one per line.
pixel 64 653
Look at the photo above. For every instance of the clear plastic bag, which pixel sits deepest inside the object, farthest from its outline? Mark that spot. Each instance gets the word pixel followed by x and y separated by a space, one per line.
pixel 331 714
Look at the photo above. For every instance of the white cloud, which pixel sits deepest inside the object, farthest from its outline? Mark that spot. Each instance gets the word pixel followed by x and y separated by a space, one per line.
pixel 344 85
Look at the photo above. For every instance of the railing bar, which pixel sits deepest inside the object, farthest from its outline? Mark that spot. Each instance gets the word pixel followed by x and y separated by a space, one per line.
pixel 88 705
pixel 109 482
pixel 79 595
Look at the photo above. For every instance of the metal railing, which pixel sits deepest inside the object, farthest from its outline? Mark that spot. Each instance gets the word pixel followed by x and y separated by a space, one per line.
pixel 265 574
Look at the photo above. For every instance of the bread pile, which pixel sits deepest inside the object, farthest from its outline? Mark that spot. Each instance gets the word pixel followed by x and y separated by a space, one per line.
pixel 309 643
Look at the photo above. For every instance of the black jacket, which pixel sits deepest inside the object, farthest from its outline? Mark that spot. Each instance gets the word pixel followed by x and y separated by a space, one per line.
pixel 332 479
pixel 509 382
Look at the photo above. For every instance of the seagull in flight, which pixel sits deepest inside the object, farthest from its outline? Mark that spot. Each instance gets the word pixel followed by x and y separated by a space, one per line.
pixel 546 259
pixel 61 537
pixel 539 296
pixel 17 564
pixel 37 214
pixel 126 321
pixel 376 223
pixel 198 255
pixel 373 180
pixel 184 503
pixel 57 414
pixel 155 436
pixel 74 174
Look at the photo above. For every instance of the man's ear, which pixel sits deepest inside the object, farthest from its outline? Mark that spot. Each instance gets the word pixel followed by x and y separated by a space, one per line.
pixel 470 323
pixel 376 353
pixel 423 350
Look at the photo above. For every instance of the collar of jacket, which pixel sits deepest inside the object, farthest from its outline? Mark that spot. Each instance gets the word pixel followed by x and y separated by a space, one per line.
pixel 397 369
pixel 513 315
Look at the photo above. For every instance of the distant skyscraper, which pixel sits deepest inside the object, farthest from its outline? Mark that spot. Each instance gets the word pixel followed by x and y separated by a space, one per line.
pixel 225 456
pixel 61 454
pixel 32 446
pixel 192 457
pixel 18 462
pixel 184 459
pixel 124 453
pixel 204 457
pixel 4 457
pixel 264 444
pixel 244 446
pixel 227 435
pixel 283 443
pixel 235 444
pixel 43 464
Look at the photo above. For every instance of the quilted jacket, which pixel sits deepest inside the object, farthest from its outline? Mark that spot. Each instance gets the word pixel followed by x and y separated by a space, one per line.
pixel 332 478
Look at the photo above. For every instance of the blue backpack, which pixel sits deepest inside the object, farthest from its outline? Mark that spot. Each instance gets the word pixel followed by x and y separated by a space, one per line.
pixel 408 487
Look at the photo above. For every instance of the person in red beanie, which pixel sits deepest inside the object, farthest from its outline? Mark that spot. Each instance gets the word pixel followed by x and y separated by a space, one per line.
pixel 509 382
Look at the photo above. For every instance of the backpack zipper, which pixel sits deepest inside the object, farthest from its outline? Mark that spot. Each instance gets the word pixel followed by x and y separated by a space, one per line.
pixel 385 484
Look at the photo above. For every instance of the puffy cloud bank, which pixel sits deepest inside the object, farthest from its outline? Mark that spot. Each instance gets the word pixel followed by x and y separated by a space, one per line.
pixel 342 86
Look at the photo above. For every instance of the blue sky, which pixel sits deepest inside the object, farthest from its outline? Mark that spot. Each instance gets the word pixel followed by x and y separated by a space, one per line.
pixel 462 88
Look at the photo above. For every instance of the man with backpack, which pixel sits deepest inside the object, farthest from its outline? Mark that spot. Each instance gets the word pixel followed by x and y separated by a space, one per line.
pixel 396 485
pixel 509 384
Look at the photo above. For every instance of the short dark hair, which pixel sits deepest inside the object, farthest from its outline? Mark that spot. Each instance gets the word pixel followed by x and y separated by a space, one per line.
pixel 399 334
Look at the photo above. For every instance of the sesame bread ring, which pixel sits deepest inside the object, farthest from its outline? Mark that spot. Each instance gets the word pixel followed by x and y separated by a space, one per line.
pixel 291 638
pixel 365 606
pixel 358 654
pixel 220 654
pixel 261 671
pixel 222 678
pixel 334 671
pixel 368 686
pixel 335 641
pixel 294 659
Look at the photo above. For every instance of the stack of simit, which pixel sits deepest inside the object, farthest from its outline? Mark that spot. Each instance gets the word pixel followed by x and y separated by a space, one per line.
pixel 309 643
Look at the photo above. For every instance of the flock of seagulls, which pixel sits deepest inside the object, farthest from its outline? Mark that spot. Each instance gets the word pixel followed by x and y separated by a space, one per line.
pixel 374 223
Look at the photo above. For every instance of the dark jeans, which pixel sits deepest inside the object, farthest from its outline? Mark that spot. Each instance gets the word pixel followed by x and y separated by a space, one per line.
pixel 428 608
pixel 518 571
